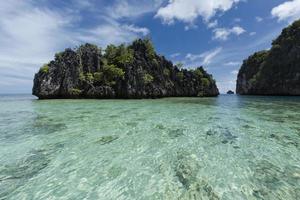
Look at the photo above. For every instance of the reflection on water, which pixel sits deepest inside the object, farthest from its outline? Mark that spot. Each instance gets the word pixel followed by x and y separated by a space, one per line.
pixel 228 147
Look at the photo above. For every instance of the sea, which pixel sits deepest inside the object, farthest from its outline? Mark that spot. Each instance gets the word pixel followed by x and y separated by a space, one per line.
pixel 225 148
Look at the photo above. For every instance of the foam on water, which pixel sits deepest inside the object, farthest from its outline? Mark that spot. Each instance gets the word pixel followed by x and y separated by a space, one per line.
pixel 228 147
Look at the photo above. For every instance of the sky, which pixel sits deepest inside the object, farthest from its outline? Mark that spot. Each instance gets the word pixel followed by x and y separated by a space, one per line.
pixel 216 34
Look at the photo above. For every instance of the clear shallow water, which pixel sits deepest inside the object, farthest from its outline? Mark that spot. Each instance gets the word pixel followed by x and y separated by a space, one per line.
pixel 228 147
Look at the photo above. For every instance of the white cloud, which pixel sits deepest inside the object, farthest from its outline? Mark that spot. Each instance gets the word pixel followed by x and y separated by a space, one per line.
pixel 237 30
pixel 224 33
pixel 139 30
pixel 221 33
pixel 233 63
pixel 258 19
pixel 287 11
pixel 235 72
pixel 252 33
pixel 174 55
pixel 189 10
pixel 132 8
pixel 205 58
pixel 212 24
pixel 28 38
pixel 112 32
pixel 31 34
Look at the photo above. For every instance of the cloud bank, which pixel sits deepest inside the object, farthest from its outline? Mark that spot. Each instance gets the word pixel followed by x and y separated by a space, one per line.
pixel 189 10
pixel 31 33
pixel 287 11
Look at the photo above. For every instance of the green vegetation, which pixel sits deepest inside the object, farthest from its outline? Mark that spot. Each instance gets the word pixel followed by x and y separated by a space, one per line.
pixel 288 35
pixel 81 76
pixel 58 55
pixel 98 76
pixel 149 48
pixel 88 48
pixel 75 91
pixel 107 76
pixel 145 45
pixel 111 72
pixel 148 78
pixel 45 69
pixel 276 47
pixel 180 76
pixel 199 73
pixel 89 77
pixel 205 82
pixel 166 72
pixel 118 55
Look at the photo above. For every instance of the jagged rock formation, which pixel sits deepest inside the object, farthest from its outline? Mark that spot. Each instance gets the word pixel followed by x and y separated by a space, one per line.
pixel 133 71
pixel 273 72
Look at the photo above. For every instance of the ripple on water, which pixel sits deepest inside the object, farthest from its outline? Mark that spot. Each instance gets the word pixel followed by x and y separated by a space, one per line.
pixel 15 175
pixel 273 182
pixel 285 140
pixel 179 148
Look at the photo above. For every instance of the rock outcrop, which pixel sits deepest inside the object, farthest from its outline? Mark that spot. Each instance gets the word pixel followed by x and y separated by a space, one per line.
pixel 230 92
pixel 133 71
pixel 276 71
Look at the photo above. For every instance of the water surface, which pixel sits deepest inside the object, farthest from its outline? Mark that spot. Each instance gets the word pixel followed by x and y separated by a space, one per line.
pixel 228 147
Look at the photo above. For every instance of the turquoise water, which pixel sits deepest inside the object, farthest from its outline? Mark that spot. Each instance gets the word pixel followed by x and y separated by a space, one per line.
pixel 228 147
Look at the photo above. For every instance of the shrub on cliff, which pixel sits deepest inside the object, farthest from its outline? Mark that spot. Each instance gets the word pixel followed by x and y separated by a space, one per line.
pixel 144 46
pixel 148 78
pixel 166 72
pixel 180 76
pixel 118 55
pixel 205 82
pixel 44 68
pixel 112 72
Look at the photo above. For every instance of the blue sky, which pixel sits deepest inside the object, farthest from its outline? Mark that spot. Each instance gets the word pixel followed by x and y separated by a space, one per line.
pixel 218 34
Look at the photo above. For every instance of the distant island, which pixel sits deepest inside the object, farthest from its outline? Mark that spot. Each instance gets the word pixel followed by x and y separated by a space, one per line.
pixel 230 92
pixel 276 71
pixel 133 71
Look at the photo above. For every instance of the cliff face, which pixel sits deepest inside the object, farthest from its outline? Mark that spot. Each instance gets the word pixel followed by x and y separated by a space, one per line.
pixel 133 71
pixel 273 72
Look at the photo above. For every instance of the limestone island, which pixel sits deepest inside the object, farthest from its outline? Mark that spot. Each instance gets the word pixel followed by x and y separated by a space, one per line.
pixel 126 71
pixel 275 71
pixel 230 92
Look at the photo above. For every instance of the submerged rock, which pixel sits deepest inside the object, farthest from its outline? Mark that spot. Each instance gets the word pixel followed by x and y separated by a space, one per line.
pixel 107 139
pixel 270 181
pixel 14 175
pixel 195 187
pixel 223 134
pixel 134 71
pixel 276 71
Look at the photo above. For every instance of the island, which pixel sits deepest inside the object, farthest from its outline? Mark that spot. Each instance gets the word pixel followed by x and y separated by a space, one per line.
pixel 126 71
pixel 230 92
pixel 275 71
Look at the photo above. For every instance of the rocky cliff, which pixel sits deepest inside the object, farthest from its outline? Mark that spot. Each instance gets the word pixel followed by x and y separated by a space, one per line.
pixel 133 71
pixel 276 71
